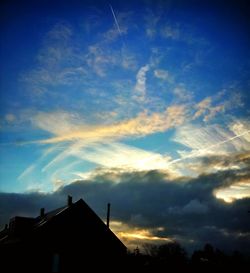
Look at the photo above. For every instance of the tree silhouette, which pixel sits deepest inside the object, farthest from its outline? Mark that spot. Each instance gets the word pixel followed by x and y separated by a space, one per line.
pixel 172 257
pixel 169 255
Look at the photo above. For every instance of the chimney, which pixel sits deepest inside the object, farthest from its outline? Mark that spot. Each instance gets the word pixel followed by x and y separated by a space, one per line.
pixel 70 200
pixel 108 214
pixel 42 210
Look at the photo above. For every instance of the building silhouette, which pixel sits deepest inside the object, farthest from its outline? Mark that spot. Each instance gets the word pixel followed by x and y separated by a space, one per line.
pixel 69 239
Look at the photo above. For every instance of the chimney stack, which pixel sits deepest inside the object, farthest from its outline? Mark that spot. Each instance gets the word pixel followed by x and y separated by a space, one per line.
pixel 70 200
pixel 108 215
pixel 42 210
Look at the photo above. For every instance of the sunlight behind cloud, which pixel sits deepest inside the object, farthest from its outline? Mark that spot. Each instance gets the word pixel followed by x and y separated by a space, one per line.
pixel 135 236
pixel 238 190
pixel 114 155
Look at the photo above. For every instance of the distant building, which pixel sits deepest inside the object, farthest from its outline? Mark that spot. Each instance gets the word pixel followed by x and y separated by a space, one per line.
pixel 69 239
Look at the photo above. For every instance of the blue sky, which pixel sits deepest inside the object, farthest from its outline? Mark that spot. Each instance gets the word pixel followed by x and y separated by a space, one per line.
pixel 155 86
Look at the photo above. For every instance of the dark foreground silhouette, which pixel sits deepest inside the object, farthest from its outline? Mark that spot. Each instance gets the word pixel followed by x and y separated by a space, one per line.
pixel 69 239
pixel 171 257
pixel 74 239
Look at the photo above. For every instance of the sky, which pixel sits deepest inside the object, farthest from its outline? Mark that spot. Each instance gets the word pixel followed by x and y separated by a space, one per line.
pixel 143 104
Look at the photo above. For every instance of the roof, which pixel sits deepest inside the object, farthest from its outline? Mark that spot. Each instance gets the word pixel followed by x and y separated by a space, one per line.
pixel 42 222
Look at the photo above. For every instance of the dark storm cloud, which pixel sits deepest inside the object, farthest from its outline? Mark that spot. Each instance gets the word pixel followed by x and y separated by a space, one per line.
pixel 186 208
pixel 26 204
pixel 242 158
pixel 213 163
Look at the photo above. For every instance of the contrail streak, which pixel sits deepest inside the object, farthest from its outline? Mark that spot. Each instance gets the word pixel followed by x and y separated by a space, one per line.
pixel 208 148
pixel 116 22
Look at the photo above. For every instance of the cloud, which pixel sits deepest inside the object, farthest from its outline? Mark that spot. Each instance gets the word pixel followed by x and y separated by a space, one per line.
pixel 192 207
pixel 183 33
pixel 98 58
pixel 101 56
pixel 66 128
pixel 213 111
pixel 209 107
pixel 140 86
pixel 131 235
pixel 117 155
pixel 238 190
pixel 150 32
pixel 27 171
pixel 122 20
pixel 114 155
pixel 182 94
pixel 163 75
pixel 238 127
pixel 205 108
pixel 171 32
pixel 115 19
pixel 63 62
pixel 195 207
pixel 10 118
pixel 211 148
pixel 151 206
pixel 57 46
pixel 60 32
pixel 151 24
pixel 57 123
pixel 214 139
pixel 129 60
pixel 37 166
pixel 58 63
pixel 99 143
pixel 209 163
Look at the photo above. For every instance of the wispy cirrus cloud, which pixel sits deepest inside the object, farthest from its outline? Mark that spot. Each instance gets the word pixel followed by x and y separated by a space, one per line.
pixel 171 32
pixel 205 109
pixel 115 19
pixel 116 155
pixel 101 56
pixel 58 63
pixel 122 22
pixel 129 59
pixel 140 87
pixel 58 122
pixel 185 33
pixel 141 125
pixel 211 106
pixel 129 104
pixel 98 143
pixel 151 20
pixel 36 166
pixel 212 148
pixel 163 75
pixel 181 93
pixel 214 139
pixel 63 62
pixel 98 59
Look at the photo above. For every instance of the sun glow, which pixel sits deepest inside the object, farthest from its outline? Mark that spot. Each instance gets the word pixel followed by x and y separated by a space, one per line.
pixel 234 192
pixel 134 236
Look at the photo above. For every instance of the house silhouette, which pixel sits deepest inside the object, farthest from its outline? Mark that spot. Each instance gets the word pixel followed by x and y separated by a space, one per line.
pixel 69 239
